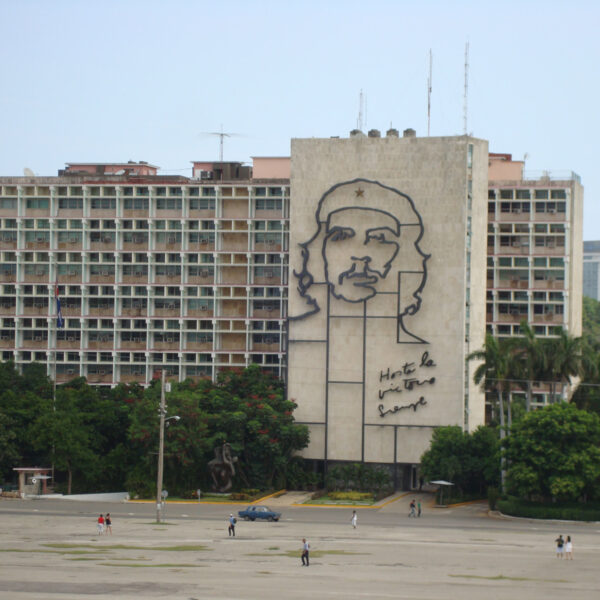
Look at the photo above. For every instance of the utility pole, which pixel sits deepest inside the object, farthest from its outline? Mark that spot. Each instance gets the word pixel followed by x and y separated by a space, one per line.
pixel 161 447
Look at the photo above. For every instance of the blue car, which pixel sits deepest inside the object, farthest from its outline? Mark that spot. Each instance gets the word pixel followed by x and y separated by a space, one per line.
pixel 258 512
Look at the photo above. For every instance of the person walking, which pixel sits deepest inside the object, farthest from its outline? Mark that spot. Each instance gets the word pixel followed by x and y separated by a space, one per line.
pixel 108 523
pixel 419 507
pixel 559 546
pixel 412 512
pixel 354 519
pixel 305 551
pixel 231 528
pixel 100 525
pixel 569 549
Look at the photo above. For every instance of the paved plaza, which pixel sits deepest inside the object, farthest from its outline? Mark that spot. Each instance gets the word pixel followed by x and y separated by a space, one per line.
pixel 50 550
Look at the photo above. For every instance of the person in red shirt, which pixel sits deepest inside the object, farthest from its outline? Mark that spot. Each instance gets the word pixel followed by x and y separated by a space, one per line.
pixel 100 525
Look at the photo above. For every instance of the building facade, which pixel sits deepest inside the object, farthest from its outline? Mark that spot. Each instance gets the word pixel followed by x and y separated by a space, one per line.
pixel 152 272
pixel 356 269
pixel 591 269
pixel 534 270
pixel 386 292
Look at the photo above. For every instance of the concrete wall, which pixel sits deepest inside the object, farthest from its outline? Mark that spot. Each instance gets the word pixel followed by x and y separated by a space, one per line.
pixel 369 376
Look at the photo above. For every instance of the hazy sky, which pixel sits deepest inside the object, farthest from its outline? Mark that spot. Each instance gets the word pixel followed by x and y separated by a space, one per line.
pixel 141 80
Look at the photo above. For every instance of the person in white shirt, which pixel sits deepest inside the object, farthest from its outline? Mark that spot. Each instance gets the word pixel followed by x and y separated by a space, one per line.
pixel 354 519
pixel 305 550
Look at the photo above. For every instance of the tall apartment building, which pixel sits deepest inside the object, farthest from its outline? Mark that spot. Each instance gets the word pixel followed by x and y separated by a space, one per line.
pixel 591 269
pixel 534 270
pixel 153 272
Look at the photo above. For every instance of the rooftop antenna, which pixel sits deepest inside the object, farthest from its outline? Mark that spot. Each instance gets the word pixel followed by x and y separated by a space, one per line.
pixel 466 88
pixel 429 94
pixel 359 121
pixel 222 135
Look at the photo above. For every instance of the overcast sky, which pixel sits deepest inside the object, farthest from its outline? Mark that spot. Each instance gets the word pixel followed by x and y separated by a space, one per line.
pixel 142 80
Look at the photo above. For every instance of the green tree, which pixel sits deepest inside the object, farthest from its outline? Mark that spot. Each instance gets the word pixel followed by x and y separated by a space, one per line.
pixel 247 409
pixel 62 432
pixel 470 461
pixel 564 358
pixel 554 453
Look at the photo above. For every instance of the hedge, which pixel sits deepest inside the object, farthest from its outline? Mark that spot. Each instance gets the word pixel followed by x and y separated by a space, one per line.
pixel 559 511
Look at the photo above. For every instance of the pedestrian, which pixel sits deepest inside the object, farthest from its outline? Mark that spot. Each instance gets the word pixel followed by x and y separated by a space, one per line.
pixel 354 519
pixel 412 512
pixel 305 551
pixel 108 523
pixel 559 546
pixel 569 549
pixel 419 507
pixel 232 522
pixel 100 525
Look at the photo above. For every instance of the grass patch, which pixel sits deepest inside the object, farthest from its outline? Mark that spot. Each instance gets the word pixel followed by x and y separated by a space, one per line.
pixel 327 499
pixel 313 553
pixel 98 551
pixel 194 548
pixel 505 578
pixel 273 548
pixel 160 566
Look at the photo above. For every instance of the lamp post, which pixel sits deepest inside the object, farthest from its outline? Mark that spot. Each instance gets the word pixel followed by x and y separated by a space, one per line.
pixel 161 445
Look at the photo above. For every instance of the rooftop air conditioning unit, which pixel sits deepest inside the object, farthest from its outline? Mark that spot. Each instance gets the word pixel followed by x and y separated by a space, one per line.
pixel 552 211
pixel 204 307
pixel 70 371
pixel 38 338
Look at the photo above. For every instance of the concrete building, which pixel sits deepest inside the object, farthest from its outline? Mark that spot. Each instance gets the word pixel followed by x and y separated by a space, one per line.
pixel 380 243
pixel 534 271
pixel 153 272
pixel 591 269
pixel 387 292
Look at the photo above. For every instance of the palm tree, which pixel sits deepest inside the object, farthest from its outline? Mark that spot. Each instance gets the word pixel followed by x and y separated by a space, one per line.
pixel 530 360
pixel 564 359
pixel 495 372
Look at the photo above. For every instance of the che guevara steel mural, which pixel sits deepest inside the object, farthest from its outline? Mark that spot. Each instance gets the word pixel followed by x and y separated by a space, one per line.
pixel 366 251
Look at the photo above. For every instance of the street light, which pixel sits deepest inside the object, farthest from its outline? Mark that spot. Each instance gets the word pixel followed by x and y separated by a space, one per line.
pixel 164 422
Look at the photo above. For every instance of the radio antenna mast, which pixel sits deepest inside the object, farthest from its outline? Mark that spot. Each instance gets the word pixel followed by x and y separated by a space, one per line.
pixel 221 135
pixel 359 121
pixel 465 107
pixel 429 94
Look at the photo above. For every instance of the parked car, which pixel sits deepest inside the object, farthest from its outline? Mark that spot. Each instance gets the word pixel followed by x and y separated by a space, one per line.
pixel 258 512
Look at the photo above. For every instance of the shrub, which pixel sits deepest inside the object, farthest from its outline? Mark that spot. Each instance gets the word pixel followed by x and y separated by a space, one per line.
pixel 353 496
pixel 562 511
pixel 493 496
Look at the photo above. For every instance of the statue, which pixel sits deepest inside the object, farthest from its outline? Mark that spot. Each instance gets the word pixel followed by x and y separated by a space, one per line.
pixel 222 468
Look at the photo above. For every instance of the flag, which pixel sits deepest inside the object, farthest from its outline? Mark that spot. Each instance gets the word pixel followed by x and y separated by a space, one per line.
pixel 60 322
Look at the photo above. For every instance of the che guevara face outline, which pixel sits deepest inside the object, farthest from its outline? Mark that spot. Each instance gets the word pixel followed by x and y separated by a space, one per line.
pixel 359 248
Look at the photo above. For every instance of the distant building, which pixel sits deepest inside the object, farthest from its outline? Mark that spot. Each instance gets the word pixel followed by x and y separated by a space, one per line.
pixel 591 269
pixel 534 270
pixel 153 272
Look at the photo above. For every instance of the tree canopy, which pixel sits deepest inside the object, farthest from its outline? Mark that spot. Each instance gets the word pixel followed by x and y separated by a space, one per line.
pixel 104 439
pixel 554 452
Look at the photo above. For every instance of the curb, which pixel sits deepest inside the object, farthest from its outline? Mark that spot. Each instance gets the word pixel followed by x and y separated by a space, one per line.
pixel 201 502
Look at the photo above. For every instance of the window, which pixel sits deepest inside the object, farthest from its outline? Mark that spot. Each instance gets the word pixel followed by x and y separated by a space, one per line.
pixel 268 204
pixel 70 203
pixel 136 204
pixel 202 204
pixel 103 203
pixel 38 203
